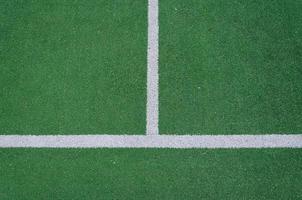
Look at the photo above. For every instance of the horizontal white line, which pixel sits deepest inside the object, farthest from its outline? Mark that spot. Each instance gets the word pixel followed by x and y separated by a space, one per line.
pixel 157 141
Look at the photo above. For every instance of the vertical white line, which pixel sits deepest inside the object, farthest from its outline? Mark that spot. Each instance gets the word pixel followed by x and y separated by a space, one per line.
pixel 152 74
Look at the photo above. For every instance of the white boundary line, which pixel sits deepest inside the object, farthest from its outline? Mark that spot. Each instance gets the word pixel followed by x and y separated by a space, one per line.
pixel 152 139
pixel 163 141
pixel 152 71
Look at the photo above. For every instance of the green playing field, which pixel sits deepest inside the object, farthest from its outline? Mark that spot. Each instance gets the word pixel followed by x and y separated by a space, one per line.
pixel 73 67
pixel 150 174
pixel 89 69
pixel 80 68
pixel 230 67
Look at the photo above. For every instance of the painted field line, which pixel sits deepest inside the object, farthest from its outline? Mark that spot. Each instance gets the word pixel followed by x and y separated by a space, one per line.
pixel 160 141
pixel 152 71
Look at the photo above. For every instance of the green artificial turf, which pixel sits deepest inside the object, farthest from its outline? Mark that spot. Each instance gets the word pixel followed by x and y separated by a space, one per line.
pixel 73 67
pixel 230 67
pixel 150 174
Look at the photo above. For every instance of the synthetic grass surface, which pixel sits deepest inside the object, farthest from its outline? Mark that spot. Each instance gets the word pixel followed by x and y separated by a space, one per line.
pixel 230 67
pixel 150 174
pixel 73 67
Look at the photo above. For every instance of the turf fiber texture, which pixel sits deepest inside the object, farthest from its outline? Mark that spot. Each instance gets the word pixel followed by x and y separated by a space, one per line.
pixel 73 67
pixel 150 174
pixel 230 67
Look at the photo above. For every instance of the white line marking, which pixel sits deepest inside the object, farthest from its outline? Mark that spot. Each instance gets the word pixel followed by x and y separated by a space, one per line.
pixel 153 139
pixel 160 141
pixel 152 74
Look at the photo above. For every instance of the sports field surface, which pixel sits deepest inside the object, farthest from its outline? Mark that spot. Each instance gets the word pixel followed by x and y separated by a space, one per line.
pixel 150 99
